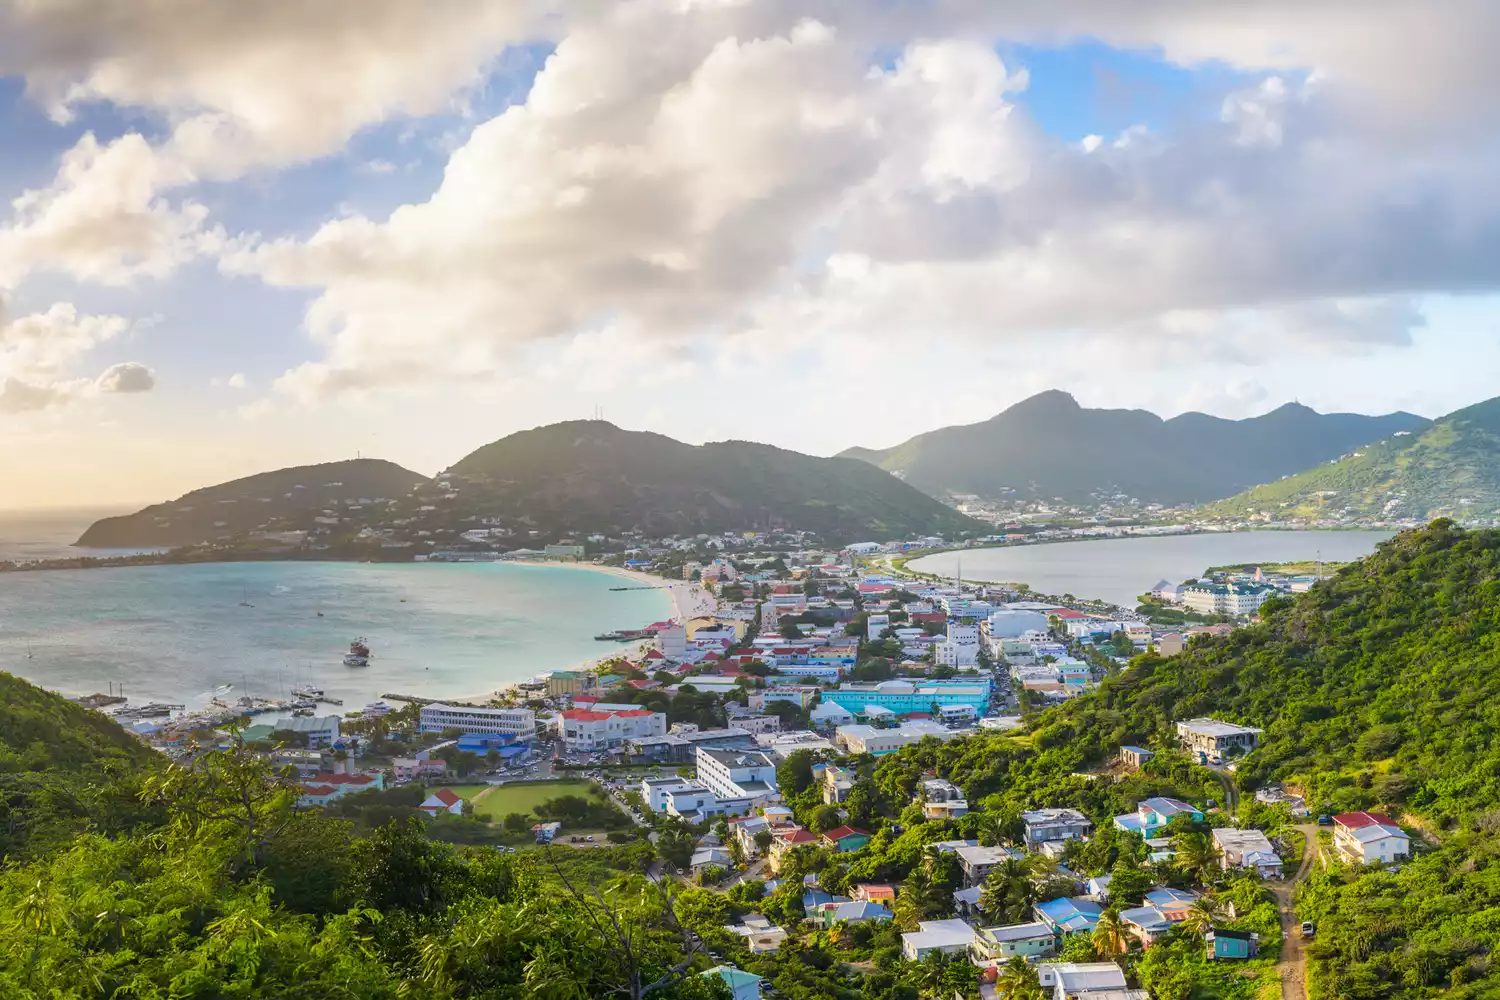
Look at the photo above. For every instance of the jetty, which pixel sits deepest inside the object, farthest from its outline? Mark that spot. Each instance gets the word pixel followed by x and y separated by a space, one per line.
pixel 414 699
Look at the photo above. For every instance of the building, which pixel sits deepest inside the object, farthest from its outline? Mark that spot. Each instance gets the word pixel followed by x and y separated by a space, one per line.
pixel 444 800
pixel 997 945
pixel 868 739
pixel 564 683
pixel 586 730
pixel 439 718
pixel 671 641
pixel 977 862
pixel 732 774
pixel 554 551
pixel 1046 825
pixel 326 787
pixel 836 783
pixel 1069 916
pixel 904 696
pixel 319 731
pixel 1160 911
pixel 654 791
pixel 1225 598
pixel 828 714
pixel 960 649
pixel 874 892
pixel 1135 756
pixel 1249 849
pixel 876 624
pixel 1366 838
pixel 942 799
pixel 1154 814
pixel 759 933
pixel 945 937
pixel 1012 623
pixel 788 839
pixel 846 839
pixel 1276 795
pixel 1216 740
pixel 742 985
pixel 1227 944
pixel 1086 981
pixel 850 912
pixel 411 769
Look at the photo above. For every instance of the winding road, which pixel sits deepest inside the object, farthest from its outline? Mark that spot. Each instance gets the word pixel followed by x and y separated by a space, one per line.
pixel 1293 965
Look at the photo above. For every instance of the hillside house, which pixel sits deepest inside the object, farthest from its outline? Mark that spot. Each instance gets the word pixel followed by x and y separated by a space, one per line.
pixel 1069 916
pixel 1215 740
pixel 444 800
pixel 1154 814
pixel 1366 838
pixel 1047 825
pixel 942 799
pixel 1249 849
pixel 946 937
pixel 1001 944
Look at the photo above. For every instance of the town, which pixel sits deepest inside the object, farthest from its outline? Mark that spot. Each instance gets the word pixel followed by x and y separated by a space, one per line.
pixel 797 750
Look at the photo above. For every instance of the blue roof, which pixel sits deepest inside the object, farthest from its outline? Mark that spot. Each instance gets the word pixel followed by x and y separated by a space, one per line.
pixel 1136 749
pixel 1070 914
pixel 1146 917
pixel 861 911
pixel 1163 896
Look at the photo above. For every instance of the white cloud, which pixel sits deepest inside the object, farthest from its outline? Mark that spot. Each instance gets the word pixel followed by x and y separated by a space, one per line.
pixel 38 352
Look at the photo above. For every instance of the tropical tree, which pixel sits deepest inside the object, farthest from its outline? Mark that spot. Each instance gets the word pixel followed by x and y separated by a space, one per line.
pixel 1195 853
pixel 1110 936
pixel 1206 911
pixel 1009 892
pixel 1018 980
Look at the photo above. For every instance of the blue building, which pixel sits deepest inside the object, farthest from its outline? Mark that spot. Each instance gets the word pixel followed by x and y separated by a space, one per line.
pixel 1230 944
pixel 902 696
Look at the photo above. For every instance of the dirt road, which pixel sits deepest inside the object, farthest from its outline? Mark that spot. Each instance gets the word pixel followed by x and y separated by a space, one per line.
pixel 1293 965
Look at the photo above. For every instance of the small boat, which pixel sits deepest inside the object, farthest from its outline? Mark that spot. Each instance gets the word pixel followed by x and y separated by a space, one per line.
pixel 359 653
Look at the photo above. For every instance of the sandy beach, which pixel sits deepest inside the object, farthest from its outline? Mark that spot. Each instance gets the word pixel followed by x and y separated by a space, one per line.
pixel 689 600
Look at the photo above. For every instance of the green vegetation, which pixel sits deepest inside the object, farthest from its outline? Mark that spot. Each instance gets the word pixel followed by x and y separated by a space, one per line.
pixel 540 799
pixel 287 499
pixel 1450 468
pixel 593 473
pixel 1048 446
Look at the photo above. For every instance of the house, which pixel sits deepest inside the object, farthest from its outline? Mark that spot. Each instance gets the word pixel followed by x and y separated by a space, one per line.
pixel 837 783
pixel 942 799
pixel 444 800
pixel 545 833
pixel 710 857
pixel 759 933
pixel 1248 849
pixel 1231 944
pixel 874 892
pixel 1171 644
pixel 1154 814
pixel 1001 944
pixel 1097 888
pixel 1280 796
pixel 827 714
pixel 1086 981
pixel 326 786
pixel 738 774
pixel 945 937
pixel 977 862
pixel 1044 825
pixel 744 829
pixel 319 731
pixel 1135 757
pixel 1214 740
pixel 845 839
pixel 1365 838
pixel 850 912
pixel 742 985
pixel 814 897
pixel 1069 916
pixel 788 839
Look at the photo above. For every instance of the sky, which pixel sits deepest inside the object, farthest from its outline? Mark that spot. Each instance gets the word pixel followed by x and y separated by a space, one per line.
pixel 236 237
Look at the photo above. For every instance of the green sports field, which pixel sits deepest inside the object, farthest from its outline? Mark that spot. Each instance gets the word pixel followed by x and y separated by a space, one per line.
pixel 494 803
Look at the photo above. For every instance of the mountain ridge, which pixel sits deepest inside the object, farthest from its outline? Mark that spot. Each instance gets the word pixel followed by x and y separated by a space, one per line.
pixel 1048 446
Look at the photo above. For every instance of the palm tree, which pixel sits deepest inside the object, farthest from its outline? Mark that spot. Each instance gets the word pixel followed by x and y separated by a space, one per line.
pixel 1203 914
pixel 1195 852
pixel 915 900
pixel 1018 981
pixel 1009 892
pixel 1110 936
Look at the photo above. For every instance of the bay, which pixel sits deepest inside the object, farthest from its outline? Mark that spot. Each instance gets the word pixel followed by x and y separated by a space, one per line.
pixel 174 633
pixel 1118 570
pixel 29 535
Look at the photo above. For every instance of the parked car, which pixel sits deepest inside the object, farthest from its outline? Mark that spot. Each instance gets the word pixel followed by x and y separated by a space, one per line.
pixel 1309 928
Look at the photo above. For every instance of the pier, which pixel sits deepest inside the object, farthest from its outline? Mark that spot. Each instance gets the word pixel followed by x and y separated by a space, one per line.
pixel 409 697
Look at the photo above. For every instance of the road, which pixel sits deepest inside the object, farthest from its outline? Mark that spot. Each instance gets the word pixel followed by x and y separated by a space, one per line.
pixel 1293 965
pixel 1231 789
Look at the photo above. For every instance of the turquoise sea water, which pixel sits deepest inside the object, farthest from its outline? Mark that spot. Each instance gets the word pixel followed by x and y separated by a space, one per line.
pixel 173 633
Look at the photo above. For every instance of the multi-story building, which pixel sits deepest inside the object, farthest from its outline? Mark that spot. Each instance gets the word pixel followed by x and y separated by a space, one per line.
pixel 1369 838
pixel 560 683
pixel 733 774
pixel 1047 825
pixel 439 718
pixel 960 649
pixel 589 729
pixel 1214 739
pixel 836 782
pixel 903 696
pixel 1226 598
pixel 942 799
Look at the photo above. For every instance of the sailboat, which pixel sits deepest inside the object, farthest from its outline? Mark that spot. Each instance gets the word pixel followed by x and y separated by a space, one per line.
pixel 245 597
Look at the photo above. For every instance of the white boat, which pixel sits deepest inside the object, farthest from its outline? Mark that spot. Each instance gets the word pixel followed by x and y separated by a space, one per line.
pixel 359 653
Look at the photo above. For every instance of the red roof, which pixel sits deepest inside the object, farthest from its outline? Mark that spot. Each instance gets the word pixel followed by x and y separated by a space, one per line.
pixel 329 778
pixel 1067 614
pixel 915 715
pixel 584 715
pixel 840 832
pixel 319 790
pixel 447 796
pixel 641 684
pixel 798 836
pixel 585 699
pixel 656 654
pixel 633 713
pixel 1356 820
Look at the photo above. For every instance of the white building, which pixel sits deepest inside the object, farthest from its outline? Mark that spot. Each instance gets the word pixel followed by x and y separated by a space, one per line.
pixel 947 937
pixel 672 641
pixel 438 718
pixel 960 649
pixel 875 625
pixel 1012 623
pixel 942 799
pixel 589 729
pixel 1226 598
pixel 654 791
pixel 319 731
pixel 1250 849
pixel 1367 838
pixel 1086 980
pixel 732 774
pixel 1214 738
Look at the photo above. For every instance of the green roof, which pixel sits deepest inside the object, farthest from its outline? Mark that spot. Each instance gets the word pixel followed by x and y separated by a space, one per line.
pixel 732 976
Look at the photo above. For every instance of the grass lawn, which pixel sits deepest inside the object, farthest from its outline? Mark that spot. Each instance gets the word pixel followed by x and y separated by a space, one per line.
pixel 523 797
pixel 463 791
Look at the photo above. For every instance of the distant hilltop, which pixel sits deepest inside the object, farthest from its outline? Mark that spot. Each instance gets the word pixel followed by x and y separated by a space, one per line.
pixel 1448 468
pixel 287 499
pixel 570 478
pixel 1048 447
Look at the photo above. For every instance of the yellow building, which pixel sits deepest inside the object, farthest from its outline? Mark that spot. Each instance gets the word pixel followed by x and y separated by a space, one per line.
pixel 735 629
pixel 564 682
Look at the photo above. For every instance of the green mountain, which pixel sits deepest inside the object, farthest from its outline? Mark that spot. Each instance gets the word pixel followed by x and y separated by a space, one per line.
pixel 286 499
pixel 1449 468
pixel 591 475
pixel 1050 447
pixel 1376 690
